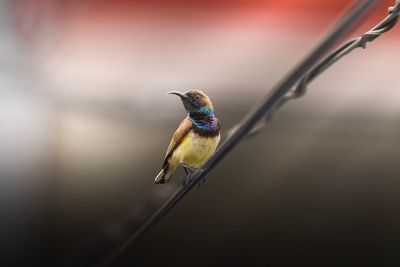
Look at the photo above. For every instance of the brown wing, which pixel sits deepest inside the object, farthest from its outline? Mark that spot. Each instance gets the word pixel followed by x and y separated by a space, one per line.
pixel 179 134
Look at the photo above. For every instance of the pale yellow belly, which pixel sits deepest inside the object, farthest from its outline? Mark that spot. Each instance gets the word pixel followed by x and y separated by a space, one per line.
pixel 194 150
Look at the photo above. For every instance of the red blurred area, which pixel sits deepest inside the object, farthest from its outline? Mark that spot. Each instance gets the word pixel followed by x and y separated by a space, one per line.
pixel 101 15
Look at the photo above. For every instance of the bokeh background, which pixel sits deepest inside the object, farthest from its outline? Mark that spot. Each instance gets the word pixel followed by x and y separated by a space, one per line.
pixel 85 121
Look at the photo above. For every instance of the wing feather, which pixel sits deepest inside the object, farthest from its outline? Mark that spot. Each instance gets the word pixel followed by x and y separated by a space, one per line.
pixel 180 133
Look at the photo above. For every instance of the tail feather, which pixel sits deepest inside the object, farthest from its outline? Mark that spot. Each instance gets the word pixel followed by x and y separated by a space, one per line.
pixel 164 176
pixel 160 177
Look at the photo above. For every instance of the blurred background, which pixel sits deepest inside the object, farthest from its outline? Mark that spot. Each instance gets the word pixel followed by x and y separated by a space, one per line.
pixel 85 122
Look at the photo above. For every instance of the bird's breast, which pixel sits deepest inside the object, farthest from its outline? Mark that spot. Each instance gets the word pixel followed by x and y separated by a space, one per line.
pixel 194 150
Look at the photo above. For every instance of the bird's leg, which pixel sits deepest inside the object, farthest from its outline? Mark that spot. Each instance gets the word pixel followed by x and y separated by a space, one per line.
pixel 189 171
pixel 186 170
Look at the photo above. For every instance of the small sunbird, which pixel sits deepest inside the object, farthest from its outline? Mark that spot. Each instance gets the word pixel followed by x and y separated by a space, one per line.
pixel 196 138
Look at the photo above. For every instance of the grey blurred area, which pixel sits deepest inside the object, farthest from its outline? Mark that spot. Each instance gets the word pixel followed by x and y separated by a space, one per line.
pixel 85 121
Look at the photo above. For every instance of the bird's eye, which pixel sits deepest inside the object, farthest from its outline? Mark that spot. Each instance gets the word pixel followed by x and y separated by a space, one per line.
pixel 197 97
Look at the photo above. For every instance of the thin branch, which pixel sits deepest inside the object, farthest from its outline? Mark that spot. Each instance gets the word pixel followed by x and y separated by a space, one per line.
pixel 360 42
pixel 278 95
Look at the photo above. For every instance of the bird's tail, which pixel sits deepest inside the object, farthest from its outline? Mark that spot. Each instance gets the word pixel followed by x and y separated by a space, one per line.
pixel 164 176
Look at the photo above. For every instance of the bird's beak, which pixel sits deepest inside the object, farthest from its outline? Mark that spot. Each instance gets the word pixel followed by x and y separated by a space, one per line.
pixel 181 95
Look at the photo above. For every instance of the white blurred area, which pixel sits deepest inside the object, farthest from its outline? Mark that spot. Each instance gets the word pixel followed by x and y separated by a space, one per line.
pixel 133 63
pixel 84 113
pixel 121 66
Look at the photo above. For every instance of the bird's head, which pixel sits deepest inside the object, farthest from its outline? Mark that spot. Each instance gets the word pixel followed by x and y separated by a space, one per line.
pixel 195 101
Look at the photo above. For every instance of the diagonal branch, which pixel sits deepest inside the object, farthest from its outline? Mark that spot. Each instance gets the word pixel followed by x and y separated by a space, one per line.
pixel 276 98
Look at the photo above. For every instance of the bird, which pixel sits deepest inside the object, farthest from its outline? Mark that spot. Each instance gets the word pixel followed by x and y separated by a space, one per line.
pixel 196 138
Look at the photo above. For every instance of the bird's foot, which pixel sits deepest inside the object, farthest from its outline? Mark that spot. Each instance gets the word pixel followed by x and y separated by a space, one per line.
pixel 189 172
pixel 187 180
pixel 202 181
